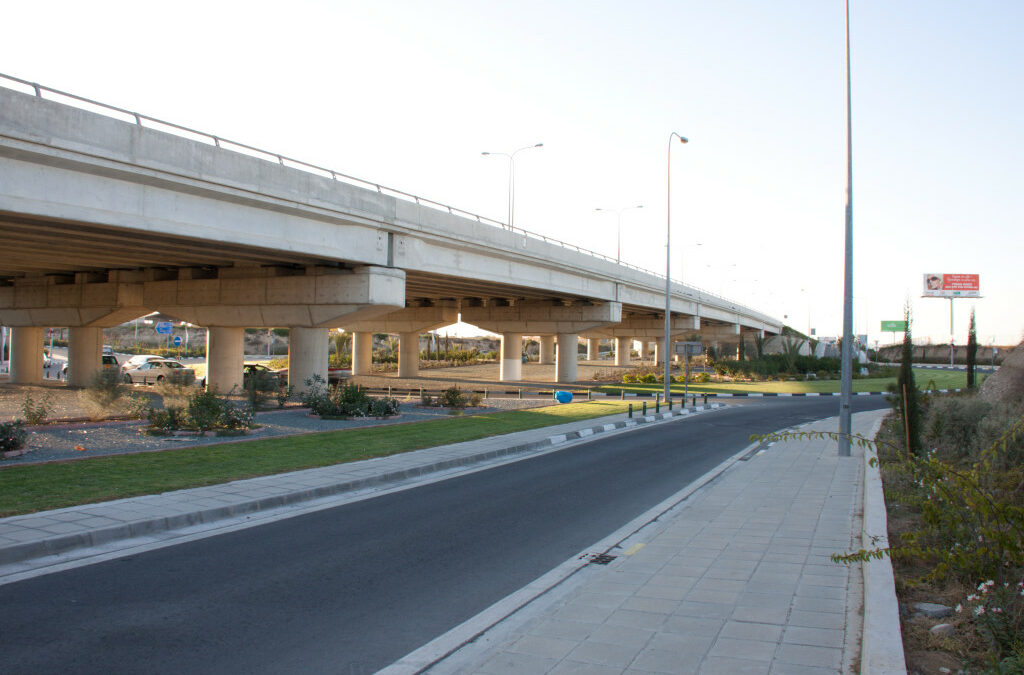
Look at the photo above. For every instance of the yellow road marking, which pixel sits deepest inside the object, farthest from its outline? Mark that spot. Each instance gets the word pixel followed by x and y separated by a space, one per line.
pixel 634 548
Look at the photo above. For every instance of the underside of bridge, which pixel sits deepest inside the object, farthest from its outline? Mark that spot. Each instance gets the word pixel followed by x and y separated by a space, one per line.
pixel 103 220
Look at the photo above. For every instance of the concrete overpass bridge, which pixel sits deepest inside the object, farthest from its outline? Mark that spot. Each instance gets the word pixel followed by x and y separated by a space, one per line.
pixel 107 215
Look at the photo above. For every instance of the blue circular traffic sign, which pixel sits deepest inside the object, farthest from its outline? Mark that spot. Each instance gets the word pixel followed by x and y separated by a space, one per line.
pixel 177 340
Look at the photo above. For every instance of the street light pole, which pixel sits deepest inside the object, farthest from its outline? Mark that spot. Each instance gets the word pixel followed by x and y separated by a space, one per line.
pixel 511 178
pixel 846 374
pixel 618 227
pixel 668 263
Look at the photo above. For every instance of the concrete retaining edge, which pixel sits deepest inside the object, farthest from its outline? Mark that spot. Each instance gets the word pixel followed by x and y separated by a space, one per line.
pixel 882 640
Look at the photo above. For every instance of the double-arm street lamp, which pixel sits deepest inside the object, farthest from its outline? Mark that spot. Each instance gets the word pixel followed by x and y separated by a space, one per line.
pixel 618 227
pixel 511 178
pixel 668 262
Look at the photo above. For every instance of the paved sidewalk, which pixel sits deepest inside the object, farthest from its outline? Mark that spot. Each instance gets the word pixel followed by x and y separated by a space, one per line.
pixel 736 578
pixel 58 532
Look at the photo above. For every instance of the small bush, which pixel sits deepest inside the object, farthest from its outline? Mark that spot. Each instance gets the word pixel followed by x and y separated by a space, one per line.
pixel 283 394
pixel 476 399
pixel 36 411
pixel 205 409
pixel 12 436
pixel 166 420
pixel 348 400
pixel 234 418
pixel 452 398
pixel 137 405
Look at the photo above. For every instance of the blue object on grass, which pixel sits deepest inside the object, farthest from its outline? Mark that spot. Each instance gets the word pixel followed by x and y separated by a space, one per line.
pixel 563 396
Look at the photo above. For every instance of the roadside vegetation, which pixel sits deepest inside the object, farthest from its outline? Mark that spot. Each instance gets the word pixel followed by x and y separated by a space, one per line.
pixel 953 471
pixel 927 379
pixel 29 488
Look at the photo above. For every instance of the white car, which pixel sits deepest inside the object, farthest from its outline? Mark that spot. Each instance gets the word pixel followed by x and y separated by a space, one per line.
pixel 136 361
pixel 158 370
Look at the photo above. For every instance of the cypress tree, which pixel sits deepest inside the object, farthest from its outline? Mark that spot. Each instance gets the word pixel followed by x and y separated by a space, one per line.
pixel 972 353
pixel 741 353
pixel 906 391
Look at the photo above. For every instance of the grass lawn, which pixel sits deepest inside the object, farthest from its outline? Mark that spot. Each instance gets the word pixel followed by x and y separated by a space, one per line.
pixel 925 378
pixel 24 489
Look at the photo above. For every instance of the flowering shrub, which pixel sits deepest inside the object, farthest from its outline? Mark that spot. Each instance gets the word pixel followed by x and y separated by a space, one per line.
pixel 12 436
pixel 348 400
pixel 997 613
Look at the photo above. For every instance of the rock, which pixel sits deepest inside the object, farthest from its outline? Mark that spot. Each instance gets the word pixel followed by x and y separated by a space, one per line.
pixel 1007 384
pixel 943 630
pixel 932 610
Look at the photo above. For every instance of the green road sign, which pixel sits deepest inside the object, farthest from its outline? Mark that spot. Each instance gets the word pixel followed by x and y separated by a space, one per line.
pixel 894 326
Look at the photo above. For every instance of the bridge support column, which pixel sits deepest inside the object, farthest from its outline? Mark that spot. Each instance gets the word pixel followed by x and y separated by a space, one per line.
pixel 565 360
pixel 362 352
pixel 622 347
pixel 659 358
pixel 511 368
pixel 26 354
pixel 409 354
pixel 547 350
pixel 225 358
pixel 593 349
pixel 307 356
pixel 85 350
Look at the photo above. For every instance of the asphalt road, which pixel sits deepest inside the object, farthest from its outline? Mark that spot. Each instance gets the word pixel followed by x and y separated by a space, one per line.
pixel 353 588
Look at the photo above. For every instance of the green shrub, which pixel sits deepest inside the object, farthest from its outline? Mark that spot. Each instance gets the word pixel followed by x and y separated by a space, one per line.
pixel 347 400
pixel 12 436
pixel 205 409
pixel 36 411
pixel 166 420
pixel 283 393
pixel 452 397
pixel 953 425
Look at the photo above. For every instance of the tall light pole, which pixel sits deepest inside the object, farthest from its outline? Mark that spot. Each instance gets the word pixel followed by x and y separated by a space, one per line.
pixel 846 374
pixel 511 178
pixel 618 227
pixel 668 263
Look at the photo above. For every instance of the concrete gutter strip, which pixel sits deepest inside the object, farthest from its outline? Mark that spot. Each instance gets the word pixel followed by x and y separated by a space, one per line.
pixel 152 519
pixel 882 640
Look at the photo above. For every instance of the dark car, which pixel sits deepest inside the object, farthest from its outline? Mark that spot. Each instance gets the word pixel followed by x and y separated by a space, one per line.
pixel 260 373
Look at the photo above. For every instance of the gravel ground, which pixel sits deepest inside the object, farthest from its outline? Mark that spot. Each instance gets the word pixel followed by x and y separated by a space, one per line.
pixel 59 441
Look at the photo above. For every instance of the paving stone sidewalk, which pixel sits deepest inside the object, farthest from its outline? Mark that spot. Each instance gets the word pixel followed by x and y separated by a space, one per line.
pixel 735 579
pixel 52 533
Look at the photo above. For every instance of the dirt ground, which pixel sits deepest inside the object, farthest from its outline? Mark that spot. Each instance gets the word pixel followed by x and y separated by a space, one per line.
pixel 65 403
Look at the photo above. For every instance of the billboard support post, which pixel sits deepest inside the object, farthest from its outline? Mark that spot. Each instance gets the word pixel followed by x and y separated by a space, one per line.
pixel 951 332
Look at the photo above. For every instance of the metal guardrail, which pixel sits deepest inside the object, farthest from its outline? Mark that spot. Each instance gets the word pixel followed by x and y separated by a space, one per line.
pixel 284 160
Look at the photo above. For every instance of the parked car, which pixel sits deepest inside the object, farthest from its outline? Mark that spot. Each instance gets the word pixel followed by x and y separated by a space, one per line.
pixel 109 363
pixel 257 370
pixel 154 372
pixel 107 349
pixel 138 360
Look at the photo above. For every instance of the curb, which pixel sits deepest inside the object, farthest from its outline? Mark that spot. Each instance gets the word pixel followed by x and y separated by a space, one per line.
pixel 881 637
pixel 57 544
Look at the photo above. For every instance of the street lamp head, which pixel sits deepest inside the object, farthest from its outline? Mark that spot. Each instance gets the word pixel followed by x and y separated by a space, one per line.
pixel 485 153
pixel 539 145
pixel 684 139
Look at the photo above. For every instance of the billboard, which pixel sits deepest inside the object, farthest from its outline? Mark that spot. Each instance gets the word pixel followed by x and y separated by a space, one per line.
pixel 951 286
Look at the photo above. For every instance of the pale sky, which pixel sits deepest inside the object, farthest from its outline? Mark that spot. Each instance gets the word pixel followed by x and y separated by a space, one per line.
pixel 408 94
